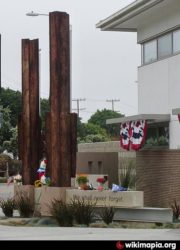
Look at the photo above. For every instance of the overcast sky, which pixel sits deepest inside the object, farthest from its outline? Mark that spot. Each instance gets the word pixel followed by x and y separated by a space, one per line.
pixel 104 63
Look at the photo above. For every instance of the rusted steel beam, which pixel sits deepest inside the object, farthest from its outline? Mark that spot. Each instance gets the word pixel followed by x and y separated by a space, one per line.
pixel 34 109
pixel 26 171
pixel 30 110
pixel 59 62
pixel 73 143
pixel 59 96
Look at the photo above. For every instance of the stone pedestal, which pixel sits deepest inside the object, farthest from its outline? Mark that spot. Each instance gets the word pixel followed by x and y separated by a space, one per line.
pixel 24 190
pixel 44 197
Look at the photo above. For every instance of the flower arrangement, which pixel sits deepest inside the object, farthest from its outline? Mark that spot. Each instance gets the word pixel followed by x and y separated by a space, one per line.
pixel 44 181
pixel 82 179
pixel 38 183
pixel 102 179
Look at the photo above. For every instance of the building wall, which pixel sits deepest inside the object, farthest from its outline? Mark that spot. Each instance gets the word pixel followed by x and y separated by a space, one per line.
pixel 158 174
pixel 98 163
pixel 95 150
pixel 110 146
pixel 158 91
pixel 160 21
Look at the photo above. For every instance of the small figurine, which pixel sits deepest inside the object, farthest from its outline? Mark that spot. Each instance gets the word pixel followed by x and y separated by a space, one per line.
pixel 42 170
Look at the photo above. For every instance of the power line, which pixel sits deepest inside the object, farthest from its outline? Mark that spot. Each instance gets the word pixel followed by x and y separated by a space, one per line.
pixel 113 101
pixel 78 100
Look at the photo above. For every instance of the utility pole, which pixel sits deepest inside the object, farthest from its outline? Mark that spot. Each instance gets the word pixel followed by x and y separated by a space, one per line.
pixel 113 101
pixel 78 100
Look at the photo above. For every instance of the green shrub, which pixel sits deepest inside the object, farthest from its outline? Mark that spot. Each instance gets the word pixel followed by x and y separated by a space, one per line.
pixel 107 214
pixel 24 206
pixel 3 180
pixel 62 212
pixel 176 210
pixel 83 211
pixel 7 207
pixel 128 174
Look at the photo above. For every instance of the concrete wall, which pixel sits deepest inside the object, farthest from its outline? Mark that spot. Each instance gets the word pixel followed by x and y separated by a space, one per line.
pixel 110 146
pixel 158 91
pixel 165 16
pixel 113 159
pixel 158 175
pixel 98 163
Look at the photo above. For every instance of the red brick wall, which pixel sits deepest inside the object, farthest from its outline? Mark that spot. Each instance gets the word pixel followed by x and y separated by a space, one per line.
pixel 158 175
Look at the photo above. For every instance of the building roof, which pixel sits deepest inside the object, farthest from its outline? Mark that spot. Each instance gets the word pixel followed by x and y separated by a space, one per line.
pixel 129 18
pixel 150 118
pixel 176 111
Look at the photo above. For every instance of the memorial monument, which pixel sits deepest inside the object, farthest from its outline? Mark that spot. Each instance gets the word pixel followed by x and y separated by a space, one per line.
pixel 61 125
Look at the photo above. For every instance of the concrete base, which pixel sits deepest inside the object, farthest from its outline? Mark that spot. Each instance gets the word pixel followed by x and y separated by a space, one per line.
pixel 44 197
pixel 24 190
pixel 128 205
pixel 148 214
pixel 6 191
pixel 107 197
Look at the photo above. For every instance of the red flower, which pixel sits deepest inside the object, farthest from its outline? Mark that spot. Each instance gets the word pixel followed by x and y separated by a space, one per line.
pixel 101 180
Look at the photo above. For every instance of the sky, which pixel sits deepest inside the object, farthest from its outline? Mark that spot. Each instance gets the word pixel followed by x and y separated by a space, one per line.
pixel 104 63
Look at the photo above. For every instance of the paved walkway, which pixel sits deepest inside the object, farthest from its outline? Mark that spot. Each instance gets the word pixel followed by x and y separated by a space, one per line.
pixel 59 233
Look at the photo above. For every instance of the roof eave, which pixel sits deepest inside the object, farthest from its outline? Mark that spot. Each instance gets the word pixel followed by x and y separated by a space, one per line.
pixel 176 111
pixel 151 118
pixel 126 13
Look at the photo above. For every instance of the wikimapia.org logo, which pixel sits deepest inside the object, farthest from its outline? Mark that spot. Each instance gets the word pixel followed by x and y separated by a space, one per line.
pixel 145 245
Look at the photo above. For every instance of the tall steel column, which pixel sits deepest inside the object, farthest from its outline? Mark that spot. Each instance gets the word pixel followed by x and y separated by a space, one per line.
pixel 30 110
pixel 60 121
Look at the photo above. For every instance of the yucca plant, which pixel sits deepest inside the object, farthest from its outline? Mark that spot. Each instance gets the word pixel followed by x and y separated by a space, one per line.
pixel 7 207
pixel 83 211
pixel 107 214
pixel 24 206
pixel 127 174
pixel 176 210
pixel 62 212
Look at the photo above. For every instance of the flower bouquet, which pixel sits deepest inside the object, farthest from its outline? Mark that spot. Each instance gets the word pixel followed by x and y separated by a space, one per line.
pixel 101 181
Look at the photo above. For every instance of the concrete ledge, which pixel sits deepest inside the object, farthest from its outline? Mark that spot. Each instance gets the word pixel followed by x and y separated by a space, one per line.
pixel 148 214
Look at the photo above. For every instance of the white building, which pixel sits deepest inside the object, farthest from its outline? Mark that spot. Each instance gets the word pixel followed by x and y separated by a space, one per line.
pixel 157 23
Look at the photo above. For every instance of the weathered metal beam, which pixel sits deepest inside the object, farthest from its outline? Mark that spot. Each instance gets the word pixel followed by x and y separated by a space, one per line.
pixel 59 98
pixel 26 171
pixel 30 110
pixel 73 143
pixel 34 108
pixel 59 62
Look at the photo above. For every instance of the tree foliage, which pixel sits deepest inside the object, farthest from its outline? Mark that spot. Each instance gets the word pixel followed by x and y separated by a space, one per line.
pixel 5 130
pixel 45 107
pixel 11 99
pixel 88 132
pixel 100 117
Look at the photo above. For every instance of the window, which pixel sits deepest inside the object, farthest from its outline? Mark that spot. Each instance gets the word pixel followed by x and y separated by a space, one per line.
pixel 176 41
pixel 150 51
pixel 161 47
pixel 165 45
